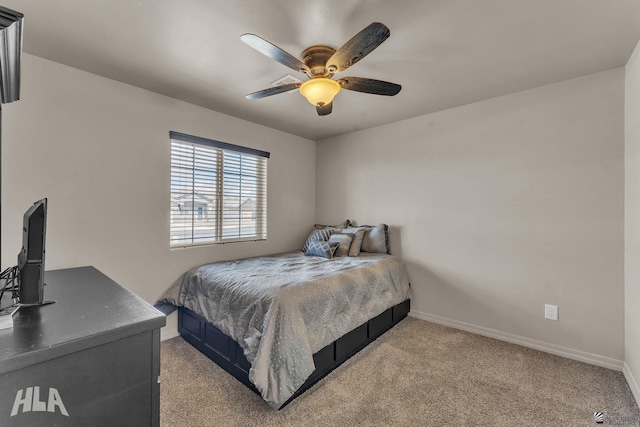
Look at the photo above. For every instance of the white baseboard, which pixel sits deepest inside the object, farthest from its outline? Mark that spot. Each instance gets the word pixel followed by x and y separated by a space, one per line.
pixel 570 353
pixel 168 333
pixel 633 384
pixel 171 328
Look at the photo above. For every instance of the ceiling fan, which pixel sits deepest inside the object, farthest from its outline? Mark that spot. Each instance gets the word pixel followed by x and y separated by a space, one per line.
pixel 320 63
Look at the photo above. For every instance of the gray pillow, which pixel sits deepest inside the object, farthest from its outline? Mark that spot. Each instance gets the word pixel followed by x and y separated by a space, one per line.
pixel 358 235
pixel 376 239
pixel 321 248
pixel 344 242
pixel 342 225
pixel 320 234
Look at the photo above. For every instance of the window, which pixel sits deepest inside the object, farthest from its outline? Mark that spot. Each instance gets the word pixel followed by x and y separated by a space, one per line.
pixel 218 192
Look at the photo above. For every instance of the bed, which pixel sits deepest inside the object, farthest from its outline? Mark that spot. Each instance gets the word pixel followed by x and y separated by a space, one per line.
pixel 279 323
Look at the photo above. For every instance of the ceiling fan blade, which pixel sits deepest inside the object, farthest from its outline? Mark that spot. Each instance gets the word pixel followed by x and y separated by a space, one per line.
pixel 325 109
pixel 273 91
pixel 376 87
pixel 274 52
pixel 358 47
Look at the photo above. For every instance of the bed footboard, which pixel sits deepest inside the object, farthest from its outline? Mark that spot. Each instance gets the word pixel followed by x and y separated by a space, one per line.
pixel 225 352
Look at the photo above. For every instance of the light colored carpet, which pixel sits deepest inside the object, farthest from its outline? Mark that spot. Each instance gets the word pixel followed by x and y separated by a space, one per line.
pixel 417 374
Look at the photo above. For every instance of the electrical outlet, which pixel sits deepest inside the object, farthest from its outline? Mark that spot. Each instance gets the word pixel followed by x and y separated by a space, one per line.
pixel 551 312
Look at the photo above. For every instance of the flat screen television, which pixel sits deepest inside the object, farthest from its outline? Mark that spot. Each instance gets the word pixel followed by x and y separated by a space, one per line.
pixel 32 254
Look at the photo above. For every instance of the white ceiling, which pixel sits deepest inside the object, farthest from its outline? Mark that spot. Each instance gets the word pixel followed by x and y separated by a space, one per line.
pixel 444 53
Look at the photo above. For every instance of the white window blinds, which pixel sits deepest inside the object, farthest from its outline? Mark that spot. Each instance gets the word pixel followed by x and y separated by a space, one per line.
pixel 218 192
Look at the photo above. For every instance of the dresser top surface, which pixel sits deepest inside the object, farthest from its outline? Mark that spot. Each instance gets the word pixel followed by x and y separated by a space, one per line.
pixel 90 310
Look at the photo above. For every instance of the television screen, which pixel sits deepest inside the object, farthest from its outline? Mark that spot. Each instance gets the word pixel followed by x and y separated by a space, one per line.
pixel 31 257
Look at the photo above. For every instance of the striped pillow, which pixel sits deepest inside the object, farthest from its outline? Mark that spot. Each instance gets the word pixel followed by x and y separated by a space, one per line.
pixel 321 248
pixel 322 234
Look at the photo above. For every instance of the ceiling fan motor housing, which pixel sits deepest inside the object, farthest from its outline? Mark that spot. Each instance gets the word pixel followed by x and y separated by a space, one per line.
pixel 316 57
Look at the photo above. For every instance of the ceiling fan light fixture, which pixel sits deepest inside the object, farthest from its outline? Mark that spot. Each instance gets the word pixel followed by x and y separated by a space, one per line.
pixel 320 91
pixel 320 63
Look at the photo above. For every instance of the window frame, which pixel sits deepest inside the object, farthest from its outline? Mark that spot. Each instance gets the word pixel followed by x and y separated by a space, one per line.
pixel 219 151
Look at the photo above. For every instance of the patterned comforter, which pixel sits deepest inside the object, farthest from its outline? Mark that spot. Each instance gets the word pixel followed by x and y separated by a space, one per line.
pixel 283 308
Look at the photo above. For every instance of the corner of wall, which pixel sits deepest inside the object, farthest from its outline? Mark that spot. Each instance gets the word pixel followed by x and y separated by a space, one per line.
pixel 633 384
pixel 631 368
pixel 170 330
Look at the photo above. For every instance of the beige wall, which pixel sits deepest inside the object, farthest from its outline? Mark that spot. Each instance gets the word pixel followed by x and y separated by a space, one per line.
pixel 99 150
pixel 499 207
pixel 632 223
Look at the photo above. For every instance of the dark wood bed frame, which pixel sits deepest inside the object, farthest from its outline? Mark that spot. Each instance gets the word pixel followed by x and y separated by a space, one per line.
pixel 225 352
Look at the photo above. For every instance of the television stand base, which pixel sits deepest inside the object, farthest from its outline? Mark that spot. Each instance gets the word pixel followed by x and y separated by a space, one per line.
pixel 35 304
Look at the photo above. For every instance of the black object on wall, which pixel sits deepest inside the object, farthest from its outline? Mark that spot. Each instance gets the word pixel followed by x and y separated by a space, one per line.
pixel 10 54
pixel 11 29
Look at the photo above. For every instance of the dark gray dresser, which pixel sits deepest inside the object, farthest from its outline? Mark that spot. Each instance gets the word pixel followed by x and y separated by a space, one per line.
pixel 90 359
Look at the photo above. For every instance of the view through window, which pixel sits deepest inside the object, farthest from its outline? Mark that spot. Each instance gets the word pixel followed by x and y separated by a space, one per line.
pixel 218 192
